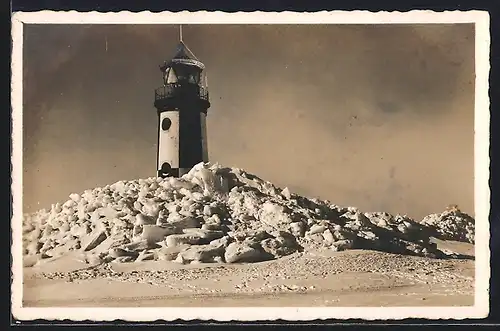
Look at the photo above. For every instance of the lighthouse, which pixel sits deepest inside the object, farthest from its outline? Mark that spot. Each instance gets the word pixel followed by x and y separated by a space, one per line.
pixel 181 103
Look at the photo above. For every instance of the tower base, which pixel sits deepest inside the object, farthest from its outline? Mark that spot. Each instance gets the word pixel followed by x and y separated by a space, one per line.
pixel 173 172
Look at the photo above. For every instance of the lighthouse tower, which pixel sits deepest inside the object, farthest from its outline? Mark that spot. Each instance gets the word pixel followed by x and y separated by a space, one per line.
pixel 182 103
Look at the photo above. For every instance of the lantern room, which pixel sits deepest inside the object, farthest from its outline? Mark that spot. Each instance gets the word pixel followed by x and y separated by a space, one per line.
pixel 184 67
pixel 183 73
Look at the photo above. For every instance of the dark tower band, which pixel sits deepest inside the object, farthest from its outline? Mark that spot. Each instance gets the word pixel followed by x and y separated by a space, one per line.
pixel 182 103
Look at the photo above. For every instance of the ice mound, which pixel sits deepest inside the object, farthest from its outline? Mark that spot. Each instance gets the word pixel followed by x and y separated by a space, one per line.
pixel 452 224
pixel 217 214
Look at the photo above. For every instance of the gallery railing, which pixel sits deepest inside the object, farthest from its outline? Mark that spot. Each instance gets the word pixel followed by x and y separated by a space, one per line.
pixel 172 90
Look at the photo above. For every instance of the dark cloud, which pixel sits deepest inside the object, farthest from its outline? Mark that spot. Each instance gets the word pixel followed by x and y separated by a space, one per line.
pixel 327 110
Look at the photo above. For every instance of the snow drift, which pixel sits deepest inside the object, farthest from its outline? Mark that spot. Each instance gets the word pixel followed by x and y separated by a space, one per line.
pixel 217 214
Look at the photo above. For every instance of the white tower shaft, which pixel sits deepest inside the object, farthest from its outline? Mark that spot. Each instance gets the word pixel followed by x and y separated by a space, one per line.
pixel 182 141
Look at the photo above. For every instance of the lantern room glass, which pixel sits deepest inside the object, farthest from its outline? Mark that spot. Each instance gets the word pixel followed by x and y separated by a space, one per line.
pixel 182 73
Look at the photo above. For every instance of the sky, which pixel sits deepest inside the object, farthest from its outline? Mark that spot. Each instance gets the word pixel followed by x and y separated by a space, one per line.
pixel 380 117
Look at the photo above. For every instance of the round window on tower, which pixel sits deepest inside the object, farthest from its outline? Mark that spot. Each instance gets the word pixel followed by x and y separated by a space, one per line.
pixel 166 123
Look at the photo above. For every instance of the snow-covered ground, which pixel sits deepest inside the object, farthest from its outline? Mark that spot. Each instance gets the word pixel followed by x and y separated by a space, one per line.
pixel 219 217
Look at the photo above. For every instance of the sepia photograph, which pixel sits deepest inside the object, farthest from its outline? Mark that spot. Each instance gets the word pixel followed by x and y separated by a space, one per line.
pixel 255 164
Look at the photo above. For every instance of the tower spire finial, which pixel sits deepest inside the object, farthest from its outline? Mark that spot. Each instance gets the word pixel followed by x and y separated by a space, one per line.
pixel 180 32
